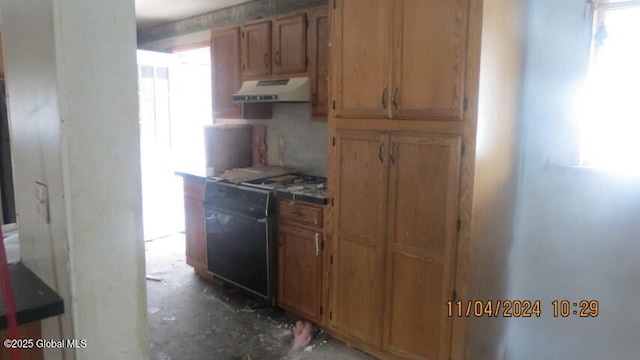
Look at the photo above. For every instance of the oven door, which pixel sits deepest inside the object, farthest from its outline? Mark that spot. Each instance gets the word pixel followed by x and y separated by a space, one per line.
pixel 239 249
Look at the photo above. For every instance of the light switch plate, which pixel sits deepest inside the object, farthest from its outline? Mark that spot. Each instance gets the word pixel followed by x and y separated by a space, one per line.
pixel 42 201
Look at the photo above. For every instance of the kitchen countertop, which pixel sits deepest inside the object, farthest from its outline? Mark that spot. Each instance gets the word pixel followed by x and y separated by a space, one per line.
pixel 308 194
pixel 305 192
pixel 193 174
pixel 34 300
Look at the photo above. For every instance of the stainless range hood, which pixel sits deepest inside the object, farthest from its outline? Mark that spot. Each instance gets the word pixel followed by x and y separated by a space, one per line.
pixel 282 90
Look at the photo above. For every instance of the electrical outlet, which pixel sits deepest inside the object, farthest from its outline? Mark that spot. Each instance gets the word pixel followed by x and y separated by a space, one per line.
pixel 42 201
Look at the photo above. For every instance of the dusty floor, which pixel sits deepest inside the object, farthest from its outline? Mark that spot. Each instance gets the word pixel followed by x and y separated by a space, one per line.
pixel 192 319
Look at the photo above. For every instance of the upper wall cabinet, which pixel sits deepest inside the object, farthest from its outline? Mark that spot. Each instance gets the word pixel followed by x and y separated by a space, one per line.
pixel 225 71
pixel 402 59
pixel 256 49
pixel 272 47
pixel 318 42
pixel 290 44
pixel 226 78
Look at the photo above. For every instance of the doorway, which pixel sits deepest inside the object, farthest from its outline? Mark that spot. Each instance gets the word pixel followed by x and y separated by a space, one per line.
pixel 175 102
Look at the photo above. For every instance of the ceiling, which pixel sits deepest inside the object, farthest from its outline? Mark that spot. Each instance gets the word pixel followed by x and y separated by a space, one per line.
pixel 151 13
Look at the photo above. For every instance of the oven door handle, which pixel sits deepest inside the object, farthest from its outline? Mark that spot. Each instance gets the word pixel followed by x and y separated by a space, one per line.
pixel 233 213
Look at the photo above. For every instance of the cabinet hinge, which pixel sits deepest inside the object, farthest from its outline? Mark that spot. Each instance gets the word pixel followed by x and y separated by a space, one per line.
pixel 334 4
pixel 331 259
pixel 454 296
pixel 465 104
pixel 320 310
pixel 458 225
pixel 331 201
pixel 334 104
pixel 330 315
pixel 334 141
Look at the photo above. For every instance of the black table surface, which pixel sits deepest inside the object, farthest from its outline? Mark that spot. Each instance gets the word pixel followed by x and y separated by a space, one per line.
pixel 34 300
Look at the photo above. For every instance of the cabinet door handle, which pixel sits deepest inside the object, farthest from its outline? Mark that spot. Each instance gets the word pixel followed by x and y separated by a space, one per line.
pixel 384 98
pixel 278 57
pixel 265 60
pixel 380 153
pixel 314 100
pixel 393 149
pixel 317 239
pixel 393 98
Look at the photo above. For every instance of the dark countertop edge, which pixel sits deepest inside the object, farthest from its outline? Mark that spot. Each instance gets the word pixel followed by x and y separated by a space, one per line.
pixel 296 197
pixel 27 283
pixel 194 176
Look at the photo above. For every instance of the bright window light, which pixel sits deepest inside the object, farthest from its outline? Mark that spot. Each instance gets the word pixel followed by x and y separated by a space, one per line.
pixel 610 119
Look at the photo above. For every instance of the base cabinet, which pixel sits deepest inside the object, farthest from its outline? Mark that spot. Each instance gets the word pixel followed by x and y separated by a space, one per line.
pixel 300 244
pixel 196 243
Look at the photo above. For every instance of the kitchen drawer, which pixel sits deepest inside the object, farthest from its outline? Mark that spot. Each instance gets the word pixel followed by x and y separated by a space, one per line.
pixel 297 212
pixel 194 189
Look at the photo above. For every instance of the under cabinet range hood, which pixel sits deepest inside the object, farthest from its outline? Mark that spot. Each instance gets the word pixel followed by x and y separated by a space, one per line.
pixel 281 90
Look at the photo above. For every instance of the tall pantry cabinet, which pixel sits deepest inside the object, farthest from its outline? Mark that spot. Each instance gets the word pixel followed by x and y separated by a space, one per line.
pixel 405 94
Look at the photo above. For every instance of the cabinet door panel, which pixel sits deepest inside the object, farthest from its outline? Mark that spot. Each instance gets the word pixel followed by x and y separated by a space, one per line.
pixel 423 213
pixel 290 51
pixel 299 272
pixel 256 49
pixel 196 247
pixel 429 58
pixel 319 65
pixel 225 71
pixel 362 54
pixel 360 207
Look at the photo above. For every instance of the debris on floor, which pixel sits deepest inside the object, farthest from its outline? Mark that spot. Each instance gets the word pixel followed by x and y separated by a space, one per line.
pixel 302 335
pixel 193 319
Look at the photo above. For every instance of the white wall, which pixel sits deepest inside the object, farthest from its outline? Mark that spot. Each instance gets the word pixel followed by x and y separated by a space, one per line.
pixel 293 140
pixel 71 82
pixel 578 231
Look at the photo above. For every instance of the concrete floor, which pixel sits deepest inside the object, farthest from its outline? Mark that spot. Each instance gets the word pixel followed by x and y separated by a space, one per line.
pixel 191 318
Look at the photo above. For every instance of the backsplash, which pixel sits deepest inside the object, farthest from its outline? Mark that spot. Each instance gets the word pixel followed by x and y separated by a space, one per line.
pixel 293 140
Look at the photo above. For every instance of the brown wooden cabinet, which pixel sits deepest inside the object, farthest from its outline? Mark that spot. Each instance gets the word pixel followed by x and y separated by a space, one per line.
pixel 422 210
pixel 226 78
pixel 401 59
pixel 362 52
pixel 422 215
pixel 359 238
pixel 290 44
pixel 318 42
pixel 195 235
pixel 225 71
pixel 300 255
pixel 274 47
pixel 256 49
pixel 396 239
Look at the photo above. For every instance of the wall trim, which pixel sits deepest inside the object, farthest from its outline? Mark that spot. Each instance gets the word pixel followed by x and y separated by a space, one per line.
pixel 225 17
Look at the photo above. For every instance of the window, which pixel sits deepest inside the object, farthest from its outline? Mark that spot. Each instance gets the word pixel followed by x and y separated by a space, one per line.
pixel 610 123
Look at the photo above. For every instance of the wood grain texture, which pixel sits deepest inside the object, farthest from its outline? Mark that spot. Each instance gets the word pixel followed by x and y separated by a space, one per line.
pixel 429 57
pixel 300 270
pixel 195 234
pixel 362 48
pixel 359 234
pixel 256 49
pixel 298 213
pixel 318 42
pixel 290 44
pixel 225 71
pixel 421 243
